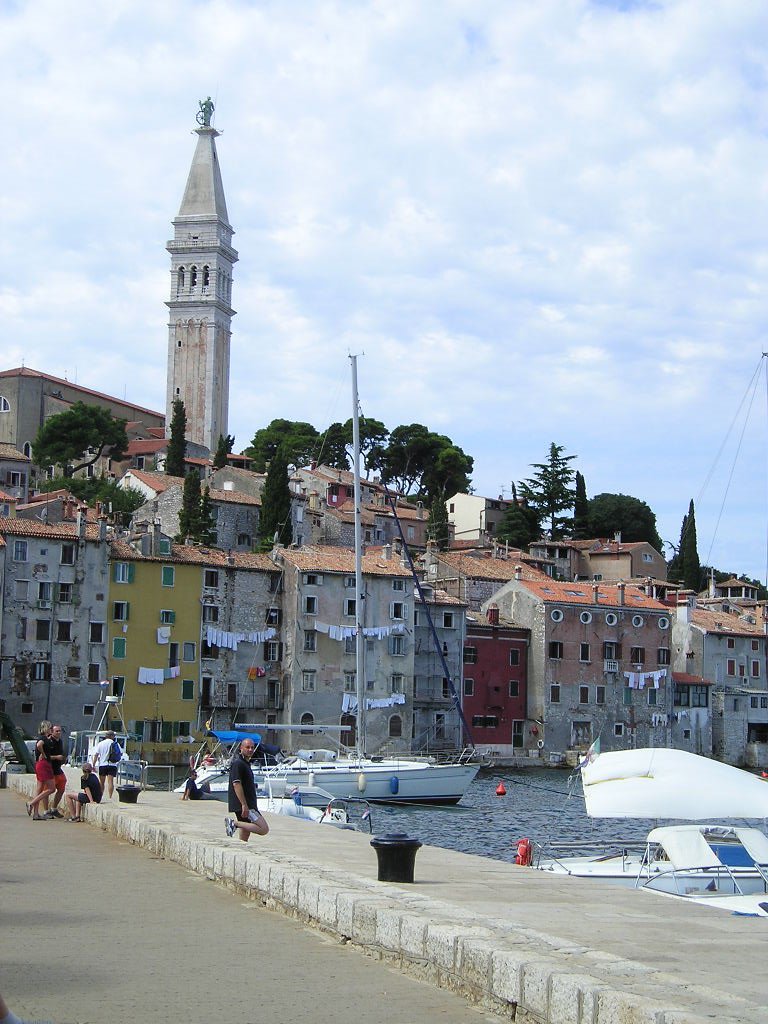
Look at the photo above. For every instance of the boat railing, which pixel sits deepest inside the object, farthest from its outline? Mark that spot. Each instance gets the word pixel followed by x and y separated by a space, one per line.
pixel 355 811
pixel 558 851
pixel 696 880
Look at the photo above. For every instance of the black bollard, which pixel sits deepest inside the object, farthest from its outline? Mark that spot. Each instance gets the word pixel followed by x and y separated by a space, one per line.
pixel 396 853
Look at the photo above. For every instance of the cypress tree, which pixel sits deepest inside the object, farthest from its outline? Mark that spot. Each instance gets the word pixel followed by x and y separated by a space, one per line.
pixel 177 445
pixel 439 530
pixel 581 529
pixel 276 504
pixel 189 515
pixel 207 529
pixel 223 448
pixel 691 566
pixel 520 524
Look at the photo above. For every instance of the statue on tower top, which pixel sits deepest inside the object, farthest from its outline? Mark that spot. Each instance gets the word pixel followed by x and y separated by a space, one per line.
pixel 205 113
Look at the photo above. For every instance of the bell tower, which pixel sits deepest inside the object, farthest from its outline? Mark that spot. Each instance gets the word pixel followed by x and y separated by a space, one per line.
pixel 200 325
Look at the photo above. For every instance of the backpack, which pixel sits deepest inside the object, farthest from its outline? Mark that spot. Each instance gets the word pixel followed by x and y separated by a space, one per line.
pixel 115 753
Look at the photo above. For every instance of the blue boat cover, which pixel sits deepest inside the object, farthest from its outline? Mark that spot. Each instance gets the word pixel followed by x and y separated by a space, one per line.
pixel 234 735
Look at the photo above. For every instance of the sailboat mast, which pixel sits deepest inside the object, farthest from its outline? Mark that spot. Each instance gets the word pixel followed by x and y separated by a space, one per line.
pixel 359 590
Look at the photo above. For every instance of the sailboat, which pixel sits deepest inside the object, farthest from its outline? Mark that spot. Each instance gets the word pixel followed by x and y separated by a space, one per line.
pixel 390 779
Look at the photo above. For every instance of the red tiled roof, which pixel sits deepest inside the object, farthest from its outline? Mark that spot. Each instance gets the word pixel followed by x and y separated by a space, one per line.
pixel 483 565
pixel 10 453
pixel 34 528
pixel 7 497
pixel 686 678
pixel 146 446
pixel 725 623
pixel 316 558
pixel 157 481
pixel 552 592
pixel 192 554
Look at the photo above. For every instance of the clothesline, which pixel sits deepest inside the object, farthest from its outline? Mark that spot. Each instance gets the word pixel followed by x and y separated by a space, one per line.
pixel 349 702
pixel 344 632
pixel 157 676
pixel 638 680
pixel 229 640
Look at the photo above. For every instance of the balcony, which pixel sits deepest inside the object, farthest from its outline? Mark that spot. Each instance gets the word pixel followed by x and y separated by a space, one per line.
pixel 611 665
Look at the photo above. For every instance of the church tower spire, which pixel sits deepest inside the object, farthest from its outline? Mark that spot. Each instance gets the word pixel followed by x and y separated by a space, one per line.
pixel 202 260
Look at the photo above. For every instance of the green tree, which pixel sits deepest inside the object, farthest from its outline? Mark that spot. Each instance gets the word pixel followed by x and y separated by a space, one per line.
pixel 207 529
pixel 439 529
pixel 223 448
pixel 549 492
pixel 419 461
pixel 519 525
pixel 121 502
pixel 373 442
pixel 177 444
pixel 332 447
pixel 189 515
pixel 610 514
pixel 689 556
pixel 298 440
pixel 276 504
pixel 581 527
pixel 79 437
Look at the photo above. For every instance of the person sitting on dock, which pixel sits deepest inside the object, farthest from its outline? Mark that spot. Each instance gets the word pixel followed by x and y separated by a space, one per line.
pixel 194 792
pixel 90 793
pixel 241 796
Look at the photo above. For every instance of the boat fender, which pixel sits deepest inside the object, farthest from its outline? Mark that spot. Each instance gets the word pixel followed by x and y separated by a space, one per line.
pixel 501 789
pixel 394 785
pixel 540 744
pixel 524 853
pixel 311 778
pixel 361 782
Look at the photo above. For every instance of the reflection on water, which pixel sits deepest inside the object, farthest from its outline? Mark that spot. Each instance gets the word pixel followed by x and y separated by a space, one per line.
pixel 542 804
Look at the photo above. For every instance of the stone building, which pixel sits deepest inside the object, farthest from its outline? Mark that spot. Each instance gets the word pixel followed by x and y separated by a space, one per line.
pixel 437 694
pixel 53 645
pixel 474 575
pixel 599 664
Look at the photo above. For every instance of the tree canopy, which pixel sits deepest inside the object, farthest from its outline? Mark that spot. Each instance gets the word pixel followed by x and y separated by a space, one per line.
pixel 121 501
pixel 609 514
pixel 223 448
pixel 77 438
pixel 685 566
pixel 299 442
pixel 419 462
pixel 549 492
pixel 519 525
pixel 581 527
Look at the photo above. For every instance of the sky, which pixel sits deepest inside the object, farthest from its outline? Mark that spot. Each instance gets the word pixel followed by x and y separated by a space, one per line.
pixel 533 223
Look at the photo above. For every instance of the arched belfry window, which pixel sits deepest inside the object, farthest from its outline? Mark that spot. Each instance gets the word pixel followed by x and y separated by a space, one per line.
pixel 193 277
pixel 180 280
pixel 27 449
pixel 206 277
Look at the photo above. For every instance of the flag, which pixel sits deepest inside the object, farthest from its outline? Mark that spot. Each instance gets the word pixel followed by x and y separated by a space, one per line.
pixel 592 754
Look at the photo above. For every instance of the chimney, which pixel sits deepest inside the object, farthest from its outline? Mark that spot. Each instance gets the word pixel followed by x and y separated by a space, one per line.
pixel 155 536
pixel 102 528
pixel 620 588
pixel 595 594
pixel 386 552
pixel 617 537
pixel 80 520
pixel 145 544
pixel 518 572
pixel 493 614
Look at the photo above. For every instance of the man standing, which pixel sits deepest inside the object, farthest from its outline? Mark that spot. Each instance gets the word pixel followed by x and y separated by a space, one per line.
pixel 242 796
pixel 105 758
pixel 55 750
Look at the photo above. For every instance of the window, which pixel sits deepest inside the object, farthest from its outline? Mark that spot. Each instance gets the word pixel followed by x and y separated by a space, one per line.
pixel 731 643
pixel 350 682
pixel 755 669
pixel 20 551
pixel 397 646
pixel 555 650
pixel 96 633
pixel 308 677
pixel 273 651
pixel 448 620
pixel 652 697
pixel 167 617
pixel 27 707
pixel 637 655
pixel 168 575
pixel 585 618
pixel 21 590
pixel 123 572
pixel 65 593
pixel 313 579
pixel 119 645
pixel 274 617
pixel 243 540
pixel 94 673
pixel 730 667
pixel 397 683
pixel 395 727
pixel 611 618
pixel 514 656
pixel 699 696
pixel 120 611
pixel 583 652
pixel 469 687
pixel 554 693
pixel 627 696
pixel 637 621
pixel 349 582
pixel 662 656
pixel 5 405
pixel 41 672
pixel 611 651
pixel 43 630
pixel 398 584
pixel 310 605
pixel 350 644
pixel 310 640
pixel 64 631
pixel 210 613
pixel 307 721
pixel 188 650
pixel 514 688
pixel 397 610
pixel 118 686
pixel 173 654
pixel 349 606
pixel 556 615
pixel 446 691
pixel 44 594
pixel 753 702
pixel 583 695
pixel 599 695
pixel 187 689
pixel 755 645
pixel 470 655
pixel 67 554
pixel 88 710
pixel 211 578
pixel 618 729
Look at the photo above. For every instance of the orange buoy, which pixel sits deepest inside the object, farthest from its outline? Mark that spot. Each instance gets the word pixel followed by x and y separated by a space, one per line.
pixel 500 790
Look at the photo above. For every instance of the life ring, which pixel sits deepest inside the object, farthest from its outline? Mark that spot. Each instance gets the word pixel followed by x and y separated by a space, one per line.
pixel 524 855
pixel 540 744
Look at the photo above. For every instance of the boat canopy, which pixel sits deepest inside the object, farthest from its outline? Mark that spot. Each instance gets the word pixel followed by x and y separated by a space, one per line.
pixel 685 846
pixel 234 736
pixel 660 783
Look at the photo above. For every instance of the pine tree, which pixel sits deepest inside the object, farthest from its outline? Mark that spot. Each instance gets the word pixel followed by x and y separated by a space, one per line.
pixel 189 515
pixel 519 526
pixel 549 493
pixel 223 448
pixel 439 531
pixel 276 504
pixel 581 529
pixel 207 528
pixel 177 445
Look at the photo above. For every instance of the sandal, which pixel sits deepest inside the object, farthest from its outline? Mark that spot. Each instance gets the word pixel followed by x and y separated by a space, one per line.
pixel 73 819
pixel 39 817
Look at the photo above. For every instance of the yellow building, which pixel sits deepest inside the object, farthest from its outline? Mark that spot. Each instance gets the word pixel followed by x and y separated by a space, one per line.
pixel 154 648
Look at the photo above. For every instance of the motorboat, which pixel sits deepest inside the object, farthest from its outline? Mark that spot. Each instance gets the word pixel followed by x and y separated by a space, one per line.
pixel 717 863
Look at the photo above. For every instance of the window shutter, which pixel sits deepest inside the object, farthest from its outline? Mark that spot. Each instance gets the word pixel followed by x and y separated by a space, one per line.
pixel 280 651
pixel 114 572
pixel 265 651
pixel 127 611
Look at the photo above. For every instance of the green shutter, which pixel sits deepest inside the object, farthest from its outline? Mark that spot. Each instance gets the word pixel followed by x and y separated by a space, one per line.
pixel 131 572
pixel 188 689
pixel 118 647
pixel 166 732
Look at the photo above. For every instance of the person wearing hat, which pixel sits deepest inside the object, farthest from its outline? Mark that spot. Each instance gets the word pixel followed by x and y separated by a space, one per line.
pixel 90 793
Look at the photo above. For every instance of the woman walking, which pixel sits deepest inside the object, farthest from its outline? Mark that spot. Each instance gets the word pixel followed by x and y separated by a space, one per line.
pixel 46 784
